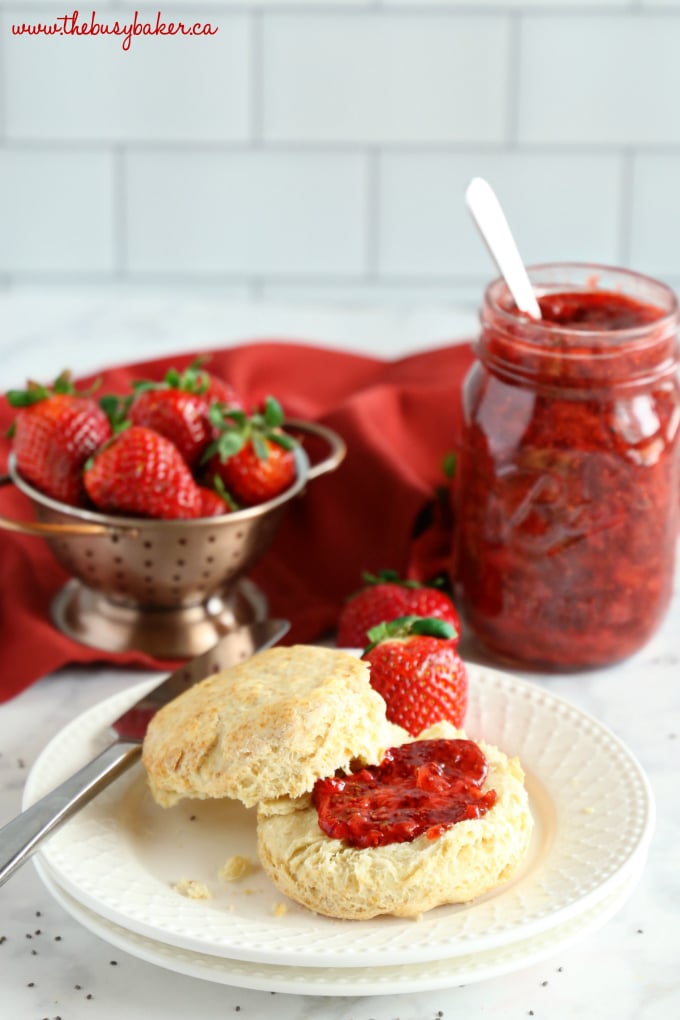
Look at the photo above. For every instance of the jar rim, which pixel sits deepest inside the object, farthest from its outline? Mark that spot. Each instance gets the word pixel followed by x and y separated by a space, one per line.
pixel 666 299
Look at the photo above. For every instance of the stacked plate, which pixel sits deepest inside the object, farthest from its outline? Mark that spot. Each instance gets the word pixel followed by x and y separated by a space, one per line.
pixel 116 866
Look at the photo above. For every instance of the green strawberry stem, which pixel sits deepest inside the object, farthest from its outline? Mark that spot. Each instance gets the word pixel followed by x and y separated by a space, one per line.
pixel 222 491
pixel 449 463
pixel 392 577
pixel 193 379
pixel 236 428
pixel 116 410
pixel 410 626
pixel 385 577
pixel 25 398
pixel 35 391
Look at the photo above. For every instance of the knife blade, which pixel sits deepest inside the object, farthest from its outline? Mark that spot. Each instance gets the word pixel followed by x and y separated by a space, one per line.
pixel 21 836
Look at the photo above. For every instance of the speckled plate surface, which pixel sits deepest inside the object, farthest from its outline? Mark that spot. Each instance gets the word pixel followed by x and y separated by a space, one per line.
pixel 121 856
pixel 386 980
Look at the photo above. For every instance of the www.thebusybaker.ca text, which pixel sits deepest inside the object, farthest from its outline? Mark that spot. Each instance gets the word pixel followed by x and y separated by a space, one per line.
pixel 73 25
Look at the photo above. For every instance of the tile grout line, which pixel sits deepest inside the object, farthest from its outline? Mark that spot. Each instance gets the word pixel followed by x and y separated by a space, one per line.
pixel 311 147
pixel 514 64
pixel 260 287
pixel 626 205
pixel 372 216
pixel 258 280
pixel 120 220
pixel 256 79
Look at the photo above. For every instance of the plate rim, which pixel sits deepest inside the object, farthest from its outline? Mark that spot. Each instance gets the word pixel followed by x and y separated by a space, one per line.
pixel 114 704
pixel 342 981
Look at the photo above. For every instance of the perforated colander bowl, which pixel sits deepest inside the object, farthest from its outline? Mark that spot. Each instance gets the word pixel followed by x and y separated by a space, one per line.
pixel 149 580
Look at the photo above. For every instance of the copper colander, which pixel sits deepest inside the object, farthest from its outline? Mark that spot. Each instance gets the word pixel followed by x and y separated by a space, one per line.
pixel 169 588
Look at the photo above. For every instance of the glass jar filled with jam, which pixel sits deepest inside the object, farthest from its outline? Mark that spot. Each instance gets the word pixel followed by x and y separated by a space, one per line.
pixel 568 477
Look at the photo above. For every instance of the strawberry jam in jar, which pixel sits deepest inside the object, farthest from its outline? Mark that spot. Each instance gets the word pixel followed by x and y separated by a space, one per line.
pixel 568 474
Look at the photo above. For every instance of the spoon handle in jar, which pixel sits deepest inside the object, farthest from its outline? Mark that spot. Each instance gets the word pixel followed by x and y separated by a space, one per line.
pixel 490 219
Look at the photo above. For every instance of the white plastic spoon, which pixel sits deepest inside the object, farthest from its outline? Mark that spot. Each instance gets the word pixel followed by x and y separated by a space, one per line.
pixel 487 213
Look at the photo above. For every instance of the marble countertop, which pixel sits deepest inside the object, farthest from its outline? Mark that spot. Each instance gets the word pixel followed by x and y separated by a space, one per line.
pixel 52 967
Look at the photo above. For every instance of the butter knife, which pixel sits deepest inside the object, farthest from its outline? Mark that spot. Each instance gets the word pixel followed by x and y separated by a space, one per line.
pixel 20 837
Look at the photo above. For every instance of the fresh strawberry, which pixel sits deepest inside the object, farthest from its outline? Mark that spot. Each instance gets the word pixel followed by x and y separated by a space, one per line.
pixel 179 416
pixel 54 433
pixel 212 504
pixel 142 473
pixel 179 408
pixel 385 598
pixel 416 668
pixel 218 390
pixel 253 457
pixel 254 477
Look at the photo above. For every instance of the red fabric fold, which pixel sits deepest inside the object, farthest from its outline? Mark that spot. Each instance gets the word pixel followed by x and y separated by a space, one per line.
pixel 379 509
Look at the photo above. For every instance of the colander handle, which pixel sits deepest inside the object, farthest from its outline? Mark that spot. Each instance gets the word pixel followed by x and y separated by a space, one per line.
pixel 338 447
pixel 44 529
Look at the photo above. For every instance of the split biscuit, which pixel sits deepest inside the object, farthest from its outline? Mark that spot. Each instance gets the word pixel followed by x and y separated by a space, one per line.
pixel 472 857
pixel 267 728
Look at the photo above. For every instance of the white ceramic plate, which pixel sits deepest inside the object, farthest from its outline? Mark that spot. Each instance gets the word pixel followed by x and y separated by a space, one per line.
pixel 122 854
pixel 406 977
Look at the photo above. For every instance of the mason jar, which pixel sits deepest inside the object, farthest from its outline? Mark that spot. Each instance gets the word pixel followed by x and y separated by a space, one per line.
pixel 567 480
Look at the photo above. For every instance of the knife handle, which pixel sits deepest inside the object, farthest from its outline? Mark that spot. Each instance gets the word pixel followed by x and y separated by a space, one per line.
pixel 22 836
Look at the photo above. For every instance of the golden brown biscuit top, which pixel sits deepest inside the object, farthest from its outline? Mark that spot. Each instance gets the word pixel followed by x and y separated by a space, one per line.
pixel 266 728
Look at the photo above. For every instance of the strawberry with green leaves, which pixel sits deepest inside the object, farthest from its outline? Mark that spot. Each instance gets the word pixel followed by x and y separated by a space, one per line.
pixel 142 473
pixel 55 430
pixel 178 408
pixel 385 597
pixel 417 670
pixel 253 458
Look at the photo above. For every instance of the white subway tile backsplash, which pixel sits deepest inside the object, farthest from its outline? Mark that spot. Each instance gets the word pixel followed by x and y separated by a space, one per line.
pixel 87 88
pixel 56 211
pixel 516 5
pixel 319 149
pixel 252 213
pixel 560 207
pixel 655 226
pixel 604 80
pixel 373 79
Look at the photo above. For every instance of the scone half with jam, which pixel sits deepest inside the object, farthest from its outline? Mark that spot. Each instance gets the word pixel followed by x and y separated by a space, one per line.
pixel 397 850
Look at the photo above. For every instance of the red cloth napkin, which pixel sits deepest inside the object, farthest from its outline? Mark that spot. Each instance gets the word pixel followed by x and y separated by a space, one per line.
pixel 379 509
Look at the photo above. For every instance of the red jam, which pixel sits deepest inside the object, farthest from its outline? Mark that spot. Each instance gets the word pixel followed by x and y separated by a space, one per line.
pixel 596 310
pixel 423 787
pixel 568 474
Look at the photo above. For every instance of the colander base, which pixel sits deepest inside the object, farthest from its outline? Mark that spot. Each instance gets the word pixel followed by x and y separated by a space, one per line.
pixel 92 619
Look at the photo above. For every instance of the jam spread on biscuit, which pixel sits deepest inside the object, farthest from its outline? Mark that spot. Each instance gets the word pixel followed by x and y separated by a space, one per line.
pixel 420 788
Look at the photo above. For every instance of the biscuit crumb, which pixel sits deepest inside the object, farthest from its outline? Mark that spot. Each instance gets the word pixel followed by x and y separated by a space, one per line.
pixel 192 889
pixel 237 867
pixel 279 909
pixel 589 811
